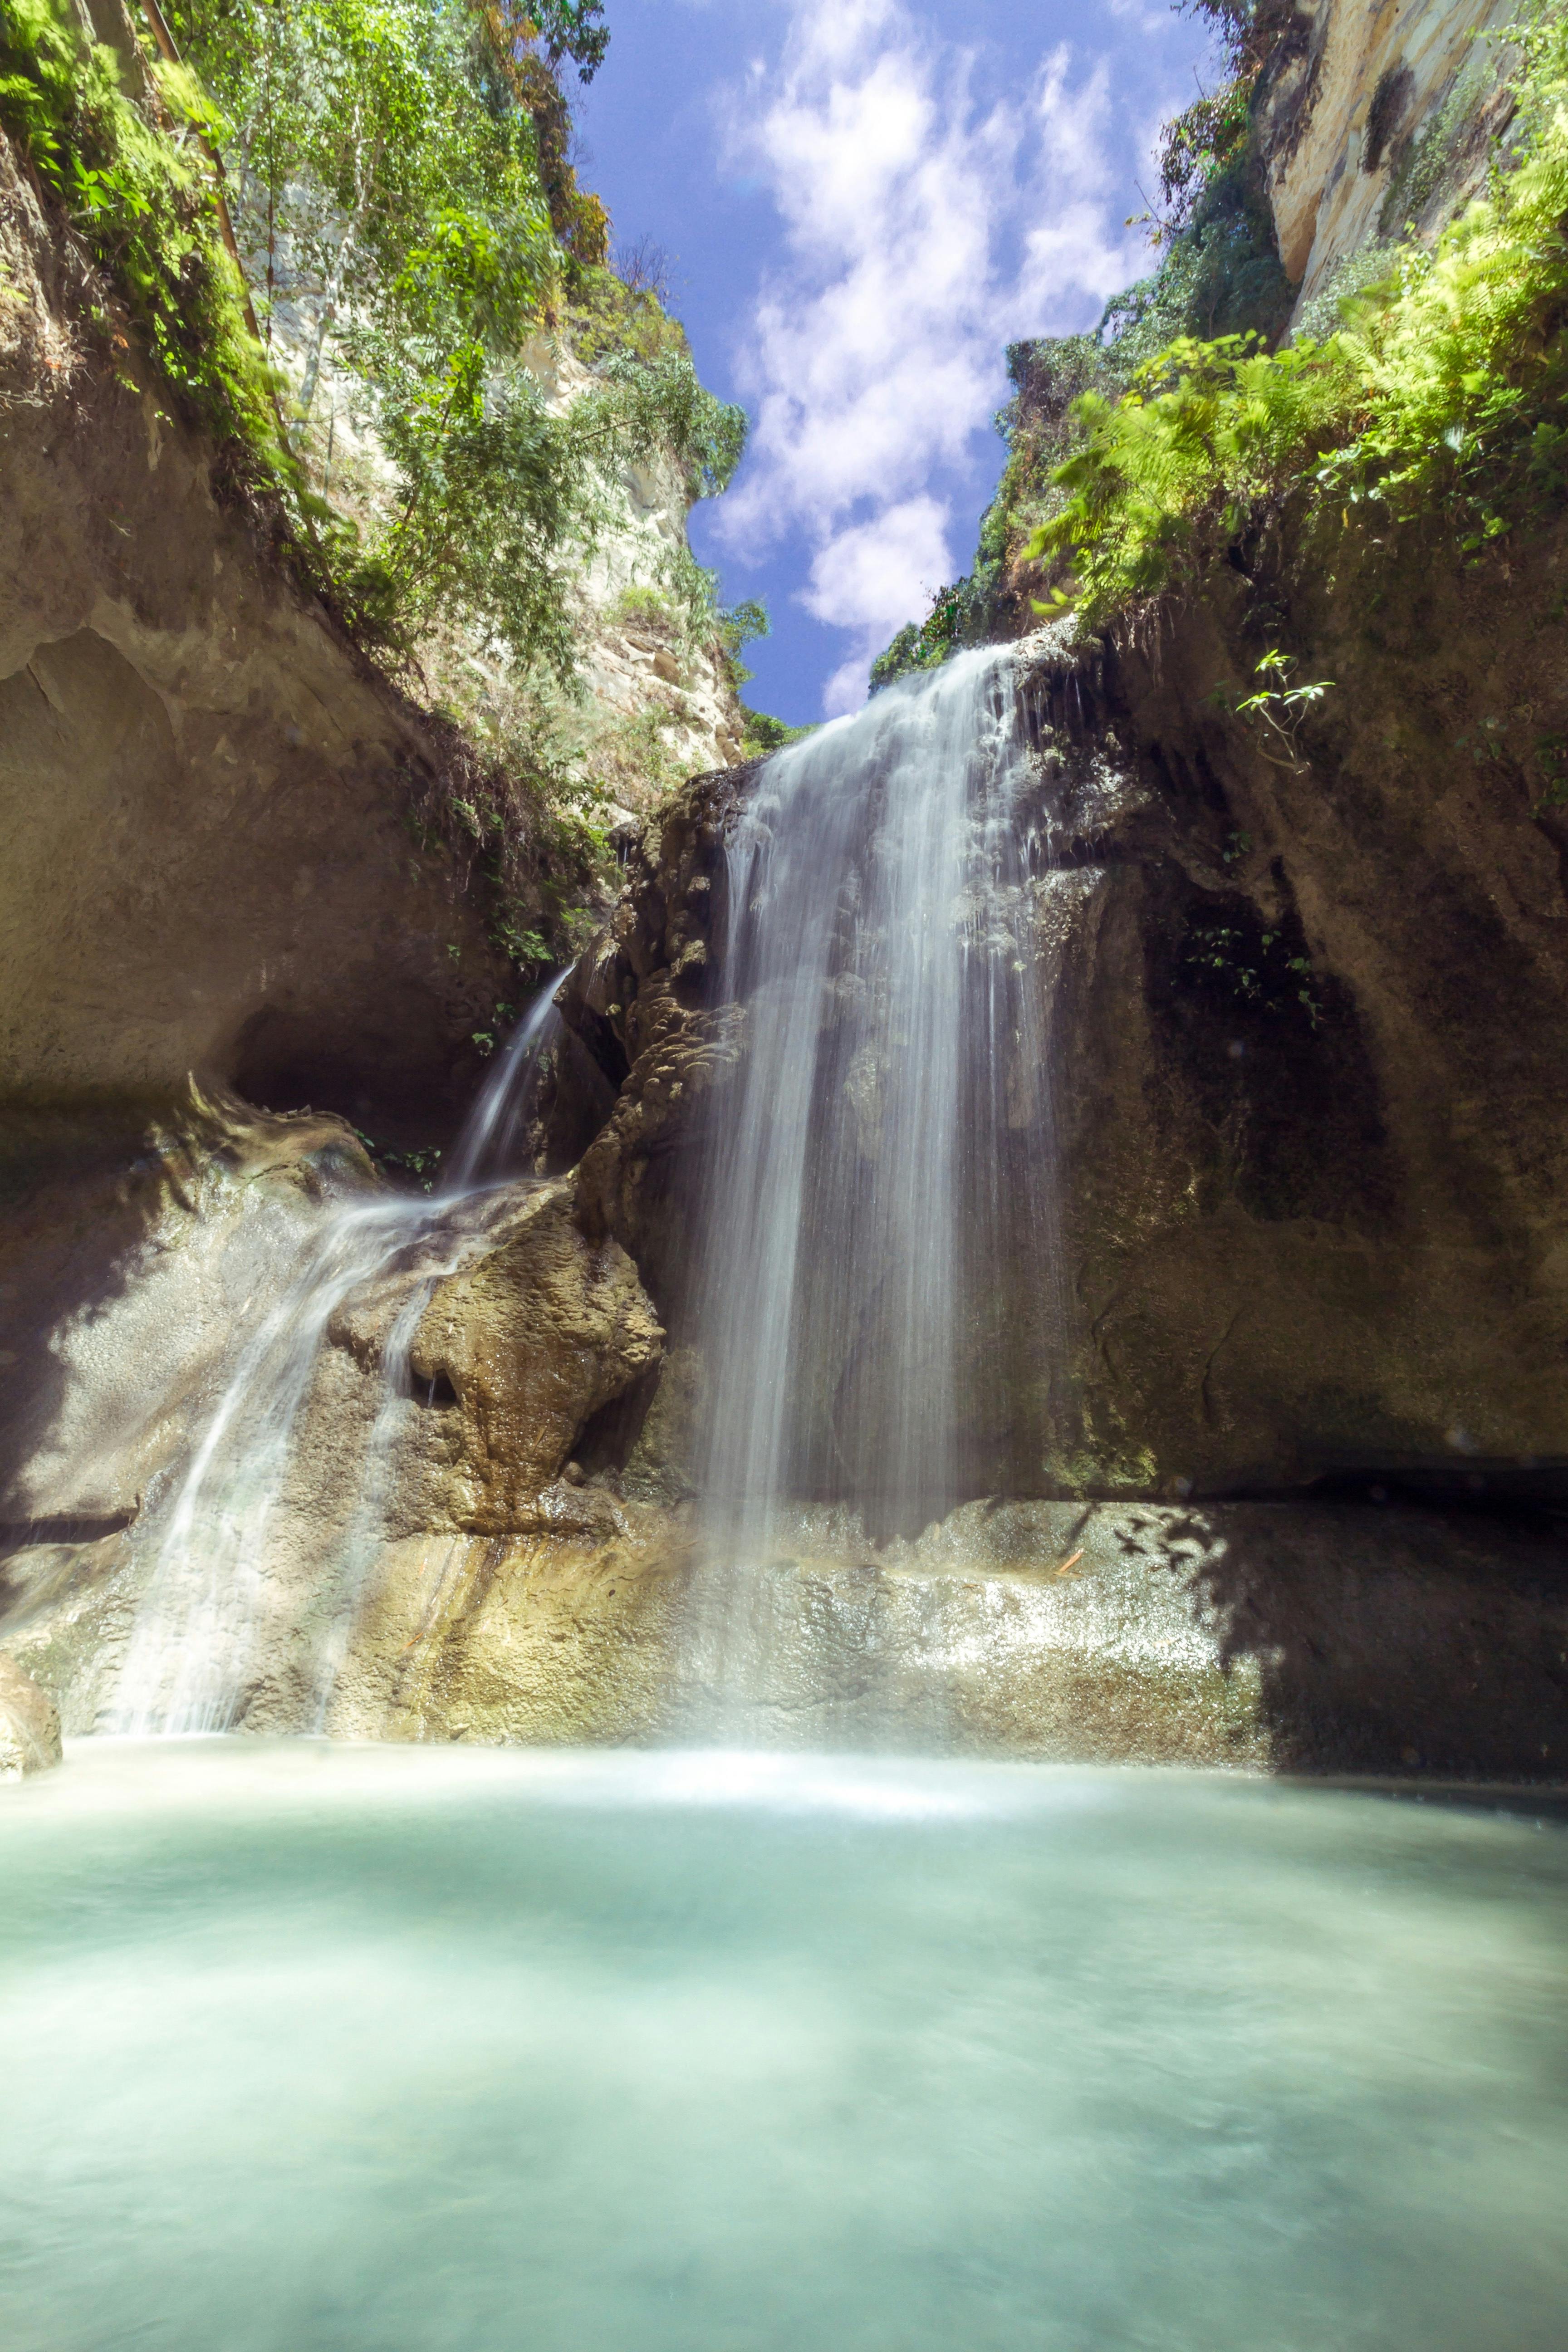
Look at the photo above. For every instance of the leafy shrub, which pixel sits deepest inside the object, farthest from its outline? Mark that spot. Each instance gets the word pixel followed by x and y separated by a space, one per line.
pixel 145 209
pixel 764 734
pixel 1447 382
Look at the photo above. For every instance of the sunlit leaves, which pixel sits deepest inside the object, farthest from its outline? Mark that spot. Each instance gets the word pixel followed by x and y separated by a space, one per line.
pixel 1445 382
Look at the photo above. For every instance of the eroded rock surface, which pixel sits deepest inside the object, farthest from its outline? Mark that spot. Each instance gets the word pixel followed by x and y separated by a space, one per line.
pixel 511 1357
pixel 1282 1636
pixel 29 1724
pixel 140 1300
pixel 510 1582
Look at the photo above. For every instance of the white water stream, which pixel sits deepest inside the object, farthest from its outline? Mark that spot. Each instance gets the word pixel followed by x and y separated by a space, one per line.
pixel 193 1644
pixel 884 1156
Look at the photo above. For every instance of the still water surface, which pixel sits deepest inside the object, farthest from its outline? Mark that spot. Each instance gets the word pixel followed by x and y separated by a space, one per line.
pixel 334 2050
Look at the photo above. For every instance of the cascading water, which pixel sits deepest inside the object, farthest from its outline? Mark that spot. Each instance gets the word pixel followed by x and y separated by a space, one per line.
pixel 490 1144
pixel 881 1176
pixel 193 1649
pixel 878 1310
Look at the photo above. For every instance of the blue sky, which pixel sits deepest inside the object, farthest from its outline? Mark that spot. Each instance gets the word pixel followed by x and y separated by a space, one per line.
pixel 864 201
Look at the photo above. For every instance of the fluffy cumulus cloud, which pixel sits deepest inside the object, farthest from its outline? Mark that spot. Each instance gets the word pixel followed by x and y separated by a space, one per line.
pixel 925 224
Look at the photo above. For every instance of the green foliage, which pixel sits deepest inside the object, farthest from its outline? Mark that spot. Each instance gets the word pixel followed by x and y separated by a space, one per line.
pixel 1208 139
pixel 1259 969
pixel 740 624
pixel 501 497
pixel 1204 429
pixel 423 1163
pixel 636 602
pixel 661 403
pixel 735 627
pixel 763 734
pixel 1444 386
pixel 605 315
pixel 570 28
pixel 396 171
pixel 1219 274
pixel 379 165
pixel 144 206
pixel 1276 711
pixel 1552 766
pixel 958 615
pixel 523 45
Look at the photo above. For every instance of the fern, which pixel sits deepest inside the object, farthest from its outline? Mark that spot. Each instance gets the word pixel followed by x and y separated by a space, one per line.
pixel 1446 381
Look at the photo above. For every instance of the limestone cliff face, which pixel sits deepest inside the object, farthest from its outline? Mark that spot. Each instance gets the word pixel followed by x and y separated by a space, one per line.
pixel 657 703
pixel 220 854
pixel 1376 114
pixel 662 704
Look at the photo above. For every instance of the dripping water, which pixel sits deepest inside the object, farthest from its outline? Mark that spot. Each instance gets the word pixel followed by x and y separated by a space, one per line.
pixel 494 1135
pixel 194 1646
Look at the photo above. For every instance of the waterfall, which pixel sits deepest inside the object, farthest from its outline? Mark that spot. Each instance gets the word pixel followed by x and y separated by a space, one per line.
pixel 491 1141
pixel 195 1642
pixel 879 1173
pixel 875 1304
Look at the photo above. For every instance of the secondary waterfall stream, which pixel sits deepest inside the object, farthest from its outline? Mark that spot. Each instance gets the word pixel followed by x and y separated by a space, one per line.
pixel 192 1646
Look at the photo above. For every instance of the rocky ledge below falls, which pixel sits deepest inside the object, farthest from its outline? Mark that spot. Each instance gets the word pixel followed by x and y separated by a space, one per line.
pixel 545 1583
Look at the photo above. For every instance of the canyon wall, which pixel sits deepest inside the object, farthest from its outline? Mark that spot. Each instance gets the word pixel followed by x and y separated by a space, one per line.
pixel 209 798
pixel 1305 1100
pixel 1290 1491
pixel 1377 118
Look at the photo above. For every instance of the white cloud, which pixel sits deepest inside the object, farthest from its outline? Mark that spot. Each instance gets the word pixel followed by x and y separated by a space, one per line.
pixel 923 229
pixel 861 580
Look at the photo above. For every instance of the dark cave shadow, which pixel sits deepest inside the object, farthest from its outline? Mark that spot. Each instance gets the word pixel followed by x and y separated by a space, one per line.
pixel 1391 1639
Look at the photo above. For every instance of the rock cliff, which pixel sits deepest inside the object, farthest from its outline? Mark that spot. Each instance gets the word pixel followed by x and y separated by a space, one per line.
pixel 1377 116
pixel 210 801
pixel 1307 1067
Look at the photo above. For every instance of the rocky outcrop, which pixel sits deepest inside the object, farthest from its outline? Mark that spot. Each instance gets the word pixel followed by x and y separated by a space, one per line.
pixel 504 1553
pixel 512 1356
pixel 662 703
pixel 134 1302
pixel 1294 1638
pixel 29 1724
pixel 1375 117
